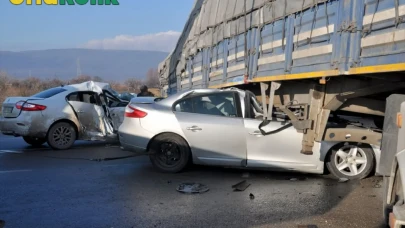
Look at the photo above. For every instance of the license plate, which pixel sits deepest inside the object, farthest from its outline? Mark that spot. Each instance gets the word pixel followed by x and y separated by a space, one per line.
pixel 7 109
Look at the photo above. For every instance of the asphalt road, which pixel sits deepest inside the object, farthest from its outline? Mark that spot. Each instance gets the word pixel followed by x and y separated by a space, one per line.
pixel 45 188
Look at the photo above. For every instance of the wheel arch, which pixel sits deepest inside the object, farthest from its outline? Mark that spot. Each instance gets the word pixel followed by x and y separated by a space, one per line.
pixel 172 133
pixel 328 147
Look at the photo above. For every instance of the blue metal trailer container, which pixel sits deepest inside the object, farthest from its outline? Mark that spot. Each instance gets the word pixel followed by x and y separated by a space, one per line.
pixel 232 42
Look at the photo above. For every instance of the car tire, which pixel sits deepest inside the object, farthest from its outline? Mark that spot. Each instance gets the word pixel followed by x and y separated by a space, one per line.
pixel 351 161
pixel 170 153
pixel 61 136
pixel 34 141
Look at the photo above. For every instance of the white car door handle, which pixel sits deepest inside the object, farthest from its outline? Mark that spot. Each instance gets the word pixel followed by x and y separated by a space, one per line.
pixel 258 133
pixel 194 128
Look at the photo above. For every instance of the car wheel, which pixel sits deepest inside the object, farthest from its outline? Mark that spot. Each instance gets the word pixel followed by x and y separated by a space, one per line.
pixel 351 161
pixel 34 141
pixel 170 153
pixel 61 136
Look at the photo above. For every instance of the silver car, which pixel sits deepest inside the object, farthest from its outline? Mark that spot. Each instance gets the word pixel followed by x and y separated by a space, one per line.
pixel 220 127
pixel 61 115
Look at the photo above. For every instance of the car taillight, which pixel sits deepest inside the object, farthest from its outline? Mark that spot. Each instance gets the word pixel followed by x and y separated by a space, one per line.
pixel 29 106
pixel 132 112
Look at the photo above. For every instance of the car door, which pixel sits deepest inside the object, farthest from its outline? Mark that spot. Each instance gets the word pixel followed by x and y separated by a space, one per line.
pixel 213 126
pixel 90 114
pixel 114 109
pixel 280 150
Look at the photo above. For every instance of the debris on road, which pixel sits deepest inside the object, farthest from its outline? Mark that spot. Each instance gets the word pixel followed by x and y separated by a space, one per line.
pixel 241 186
pixel 245 175
pixel 192 188
pixel 343 180
pixel 295 178
pixel 251 196
pixel 378 184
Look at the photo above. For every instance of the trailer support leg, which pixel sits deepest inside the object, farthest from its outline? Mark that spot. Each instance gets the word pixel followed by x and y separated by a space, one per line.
pixel 268 110
pixel 317 98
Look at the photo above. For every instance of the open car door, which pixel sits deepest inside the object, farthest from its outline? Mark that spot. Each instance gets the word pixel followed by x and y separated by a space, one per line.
pixel 114 109
pixel 91 115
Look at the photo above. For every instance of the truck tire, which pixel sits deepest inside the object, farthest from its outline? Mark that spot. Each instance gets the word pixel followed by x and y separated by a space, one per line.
pixel 61 136
pixel 34 141
pixel 170 153
pixel 351 161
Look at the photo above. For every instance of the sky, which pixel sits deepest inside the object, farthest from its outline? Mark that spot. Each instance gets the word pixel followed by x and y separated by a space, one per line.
pixel 133 25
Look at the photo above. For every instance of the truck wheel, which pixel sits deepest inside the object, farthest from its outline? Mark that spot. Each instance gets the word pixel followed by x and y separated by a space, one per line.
pixel 61 136
pixel 34 141
pixel 351 161
pixel 170 153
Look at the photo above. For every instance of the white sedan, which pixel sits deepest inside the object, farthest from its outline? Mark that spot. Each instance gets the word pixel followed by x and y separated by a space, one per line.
pixel 61 115
pixel 221 127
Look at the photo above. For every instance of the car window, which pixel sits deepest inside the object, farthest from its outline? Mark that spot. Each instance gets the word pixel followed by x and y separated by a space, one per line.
pixel 86 97
pixel 49 92
pixel 220 104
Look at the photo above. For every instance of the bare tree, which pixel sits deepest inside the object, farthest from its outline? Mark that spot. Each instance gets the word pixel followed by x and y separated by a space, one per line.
pixel 80 79
pixel 152 78
pixel 133 85
pixel 4 80
pixel 98 79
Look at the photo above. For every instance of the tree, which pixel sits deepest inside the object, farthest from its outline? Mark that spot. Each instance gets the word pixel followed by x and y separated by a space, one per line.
pixel 98 79
pixel 152 78
pixel 80 79
pixel 133 85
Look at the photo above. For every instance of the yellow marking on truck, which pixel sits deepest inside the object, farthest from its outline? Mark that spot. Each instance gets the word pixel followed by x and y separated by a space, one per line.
pixel 314 74
pixel 378 69
pixel 321 74
pixel 225 85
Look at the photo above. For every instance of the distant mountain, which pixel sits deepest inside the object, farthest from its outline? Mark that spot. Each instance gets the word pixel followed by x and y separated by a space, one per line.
pixel 117 65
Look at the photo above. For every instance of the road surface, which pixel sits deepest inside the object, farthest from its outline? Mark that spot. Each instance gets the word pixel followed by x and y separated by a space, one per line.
pixel 46 188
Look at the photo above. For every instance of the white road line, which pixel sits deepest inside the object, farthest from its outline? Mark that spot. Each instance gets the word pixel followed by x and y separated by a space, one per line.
pixel 115 165
pixel 15 171
pixel 10 151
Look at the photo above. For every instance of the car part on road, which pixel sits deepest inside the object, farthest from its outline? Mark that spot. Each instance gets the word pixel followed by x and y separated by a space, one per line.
pixel 343 180
pixel 241 186
pixel 192 188
pixel 351 161
pixel 170 153
pixel 61 136
pixel 251 196
pixel 33 141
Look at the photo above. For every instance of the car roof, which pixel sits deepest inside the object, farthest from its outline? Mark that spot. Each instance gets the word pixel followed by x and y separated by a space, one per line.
pixel 89 85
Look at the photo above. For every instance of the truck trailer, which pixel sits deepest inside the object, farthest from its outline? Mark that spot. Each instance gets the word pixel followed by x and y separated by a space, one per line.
pixel 310 60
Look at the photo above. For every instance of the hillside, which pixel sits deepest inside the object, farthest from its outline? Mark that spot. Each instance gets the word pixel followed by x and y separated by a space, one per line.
pixel 115 65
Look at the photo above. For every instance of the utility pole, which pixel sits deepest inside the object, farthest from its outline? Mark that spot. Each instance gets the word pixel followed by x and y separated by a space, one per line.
pixel 79 70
